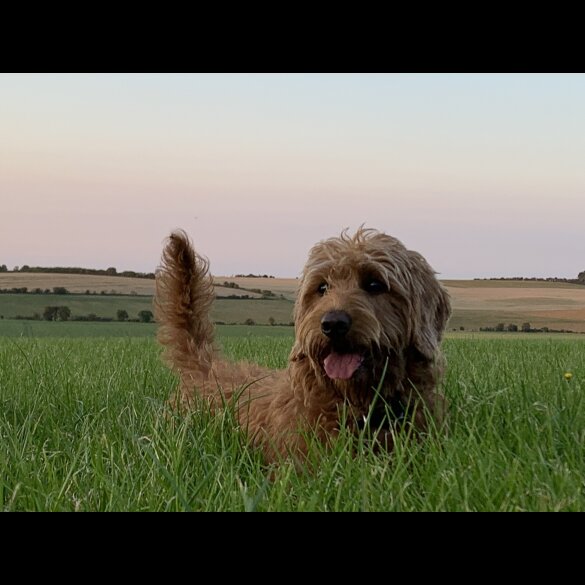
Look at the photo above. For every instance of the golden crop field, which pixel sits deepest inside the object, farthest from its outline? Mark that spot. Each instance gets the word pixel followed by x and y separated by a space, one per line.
pixel 78 283
pixel 542 304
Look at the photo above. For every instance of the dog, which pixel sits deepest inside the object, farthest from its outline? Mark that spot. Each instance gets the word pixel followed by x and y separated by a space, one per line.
pixel 369 318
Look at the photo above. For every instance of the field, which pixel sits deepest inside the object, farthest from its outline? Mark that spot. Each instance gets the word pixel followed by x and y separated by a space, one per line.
pixel 476 303
pixel 223 311
pixel 31 329
pixel 542 304
pixel 85 426
pixel 80 283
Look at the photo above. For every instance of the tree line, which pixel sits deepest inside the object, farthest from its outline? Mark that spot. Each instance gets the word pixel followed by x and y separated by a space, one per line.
pixel 63 313
pixel 111 271
pixel 525 328
pixel 579 280
pixel 23 290
pixel 61 290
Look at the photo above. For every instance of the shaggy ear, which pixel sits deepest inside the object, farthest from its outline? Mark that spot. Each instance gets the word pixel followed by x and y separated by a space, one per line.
pixel 296 353
pixel 431 305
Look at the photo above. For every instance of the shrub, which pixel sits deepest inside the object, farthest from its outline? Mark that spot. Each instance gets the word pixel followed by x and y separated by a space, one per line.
pixel 50 313
pixel 63 313
pixel 145 316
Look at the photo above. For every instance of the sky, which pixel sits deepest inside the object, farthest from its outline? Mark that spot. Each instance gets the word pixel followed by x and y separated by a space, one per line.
pixel 484 174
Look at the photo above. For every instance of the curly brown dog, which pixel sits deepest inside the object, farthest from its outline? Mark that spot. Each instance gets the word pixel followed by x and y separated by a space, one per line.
pixel 369 318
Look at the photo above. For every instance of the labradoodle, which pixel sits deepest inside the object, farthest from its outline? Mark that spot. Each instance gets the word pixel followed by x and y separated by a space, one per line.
pixel 369 319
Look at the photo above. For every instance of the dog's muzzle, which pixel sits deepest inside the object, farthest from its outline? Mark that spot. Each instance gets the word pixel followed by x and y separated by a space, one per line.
pixel 335 324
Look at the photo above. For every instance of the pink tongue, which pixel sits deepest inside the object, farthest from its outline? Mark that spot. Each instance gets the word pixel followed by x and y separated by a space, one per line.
pixel 342 366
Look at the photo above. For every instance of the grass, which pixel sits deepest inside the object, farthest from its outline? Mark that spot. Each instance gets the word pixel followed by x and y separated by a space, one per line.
pixel 67 329
pixel 84 426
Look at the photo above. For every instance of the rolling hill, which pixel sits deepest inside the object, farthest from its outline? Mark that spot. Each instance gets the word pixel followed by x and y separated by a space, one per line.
pixel 476 303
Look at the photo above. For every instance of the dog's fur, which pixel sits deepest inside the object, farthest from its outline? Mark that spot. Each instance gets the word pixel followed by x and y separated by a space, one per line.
pixel 385 351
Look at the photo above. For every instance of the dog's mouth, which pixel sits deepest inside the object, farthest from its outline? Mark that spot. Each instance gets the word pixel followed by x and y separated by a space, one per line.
pixel 342 366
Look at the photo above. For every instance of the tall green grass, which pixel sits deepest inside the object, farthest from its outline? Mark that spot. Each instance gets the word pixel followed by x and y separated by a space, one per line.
pixel 84 425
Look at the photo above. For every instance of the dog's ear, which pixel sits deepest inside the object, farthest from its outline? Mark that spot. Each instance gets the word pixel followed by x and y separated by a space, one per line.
pixel 431 307
pixel 296 353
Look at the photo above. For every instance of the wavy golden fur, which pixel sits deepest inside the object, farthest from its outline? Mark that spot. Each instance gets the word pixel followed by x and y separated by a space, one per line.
pixel 369 319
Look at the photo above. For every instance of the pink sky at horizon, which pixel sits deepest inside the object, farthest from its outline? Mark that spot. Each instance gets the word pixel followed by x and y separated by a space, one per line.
pixel 483 174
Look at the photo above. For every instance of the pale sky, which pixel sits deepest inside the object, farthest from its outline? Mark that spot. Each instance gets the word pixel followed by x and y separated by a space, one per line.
pixel 484 174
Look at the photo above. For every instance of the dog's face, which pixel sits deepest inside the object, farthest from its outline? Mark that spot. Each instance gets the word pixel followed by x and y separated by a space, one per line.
pixel 364 299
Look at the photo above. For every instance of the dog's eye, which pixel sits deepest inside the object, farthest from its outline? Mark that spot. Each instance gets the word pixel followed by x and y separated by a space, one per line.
pixel 374 286
pixel 322 289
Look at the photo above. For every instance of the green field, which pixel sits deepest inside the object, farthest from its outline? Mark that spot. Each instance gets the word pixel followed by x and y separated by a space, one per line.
pixel 224 310
pixel 58 329
pixel 12 305
pixel 85 426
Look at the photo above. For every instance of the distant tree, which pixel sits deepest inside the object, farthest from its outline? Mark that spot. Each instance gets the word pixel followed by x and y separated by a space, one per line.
pixel 581 277
pixel 111 271
pixel 15 269
pixel 145 316
pixel 50 313
pixel 512 327
pixel 249 321
pixel 63 313
pixel 3 268
pixel 60 290
pixel 526 327
pixel 122 315
pixel 271 321
pixel 92 317
pixel 500 327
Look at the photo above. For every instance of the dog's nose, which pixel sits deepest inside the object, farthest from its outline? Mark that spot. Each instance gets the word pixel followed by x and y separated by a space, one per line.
pixel 335 324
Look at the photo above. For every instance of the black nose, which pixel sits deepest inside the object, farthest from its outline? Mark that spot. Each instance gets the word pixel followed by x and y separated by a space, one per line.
pixel 335 324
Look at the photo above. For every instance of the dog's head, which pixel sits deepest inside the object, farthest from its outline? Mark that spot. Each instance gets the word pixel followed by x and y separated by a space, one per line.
pixel 363 299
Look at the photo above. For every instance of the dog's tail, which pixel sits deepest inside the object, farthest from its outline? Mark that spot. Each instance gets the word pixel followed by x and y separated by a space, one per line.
pixel 184 294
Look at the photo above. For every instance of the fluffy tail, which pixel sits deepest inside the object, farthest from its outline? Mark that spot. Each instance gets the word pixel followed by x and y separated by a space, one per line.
pixel 184 294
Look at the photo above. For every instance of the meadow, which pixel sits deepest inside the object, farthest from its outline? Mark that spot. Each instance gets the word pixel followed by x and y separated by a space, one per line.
pixel 85 426
pixel 223 310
